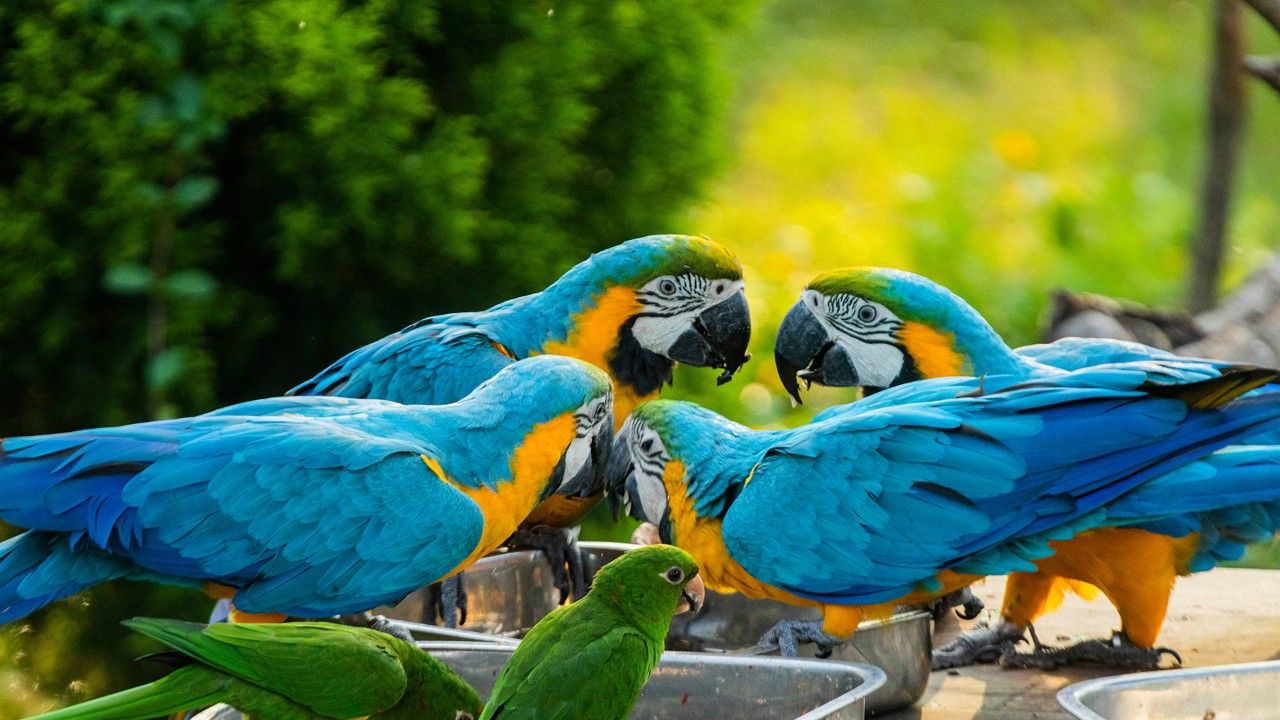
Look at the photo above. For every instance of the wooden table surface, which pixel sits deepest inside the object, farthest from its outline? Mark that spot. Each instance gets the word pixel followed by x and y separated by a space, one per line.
pixel 1215 618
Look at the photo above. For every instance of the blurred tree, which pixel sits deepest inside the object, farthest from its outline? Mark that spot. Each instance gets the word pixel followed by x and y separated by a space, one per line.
pixel 204 201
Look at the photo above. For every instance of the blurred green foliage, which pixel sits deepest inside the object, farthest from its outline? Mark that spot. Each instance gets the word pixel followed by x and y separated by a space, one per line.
pixel 206 201
pixel 310 174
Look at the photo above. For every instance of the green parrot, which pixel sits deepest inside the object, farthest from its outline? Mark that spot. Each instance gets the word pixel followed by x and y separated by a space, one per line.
pixel 589 660
pixel 290 671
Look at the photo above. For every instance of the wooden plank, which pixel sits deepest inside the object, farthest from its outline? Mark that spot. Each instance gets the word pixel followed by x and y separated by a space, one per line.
pixel 1219 617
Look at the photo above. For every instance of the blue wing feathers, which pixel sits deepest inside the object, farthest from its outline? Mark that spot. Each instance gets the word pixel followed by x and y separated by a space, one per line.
pixel 980 484
pixel 244 499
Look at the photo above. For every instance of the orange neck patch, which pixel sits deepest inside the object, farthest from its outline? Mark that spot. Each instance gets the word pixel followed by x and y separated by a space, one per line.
pixel 934 352
pixel 531 467
pixel 595 337
pixel 702 538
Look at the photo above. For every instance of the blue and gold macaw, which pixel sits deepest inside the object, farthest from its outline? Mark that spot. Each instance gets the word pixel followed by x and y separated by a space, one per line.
pixel 875 328
pixel 633 310
pixel 894 501
pixel 305 507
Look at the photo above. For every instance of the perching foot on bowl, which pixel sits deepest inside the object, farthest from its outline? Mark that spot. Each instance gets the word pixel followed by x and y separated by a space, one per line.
pixel 377 622
pixel 788 634
pixel 983 643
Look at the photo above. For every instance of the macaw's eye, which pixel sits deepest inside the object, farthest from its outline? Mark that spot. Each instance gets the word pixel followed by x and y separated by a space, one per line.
pixel 718 288
pixel 667 287
pixel 647 445
pixel 866 313
pixel 674 575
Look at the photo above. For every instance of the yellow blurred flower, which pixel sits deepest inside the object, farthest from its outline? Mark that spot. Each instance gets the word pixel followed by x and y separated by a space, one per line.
pixel 1017 149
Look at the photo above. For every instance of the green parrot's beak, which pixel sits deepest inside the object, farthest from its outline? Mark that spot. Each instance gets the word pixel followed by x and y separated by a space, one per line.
pixel 693 596
pixel 718 338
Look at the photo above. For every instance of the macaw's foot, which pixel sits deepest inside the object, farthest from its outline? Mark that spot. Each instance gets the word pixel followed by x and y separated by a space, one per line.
pixel 446 603
pixel 970 605
pixel 984 643
pixel 788 634
pixel 376 622
pixel 1117 652
pixel 561 548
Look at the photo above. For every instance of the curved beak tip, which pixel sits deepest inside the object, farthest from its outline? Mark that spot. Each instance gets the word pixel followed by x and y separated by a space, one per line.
pixel 693 597
pixel 718 338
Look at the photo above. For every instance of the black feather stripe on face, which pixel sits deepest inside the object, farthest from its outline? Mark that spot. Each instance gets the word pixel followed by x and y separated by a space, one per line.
pixel 634 367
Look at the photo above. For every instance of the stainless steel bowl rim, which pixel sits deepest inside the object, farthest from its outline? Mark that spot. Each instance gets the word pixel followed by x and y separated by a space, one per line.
pixel 1071 696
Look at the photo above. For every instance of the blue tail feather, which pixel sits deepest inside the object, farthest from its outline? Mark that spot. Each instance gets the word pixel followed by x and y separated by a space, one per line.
pixel 37 568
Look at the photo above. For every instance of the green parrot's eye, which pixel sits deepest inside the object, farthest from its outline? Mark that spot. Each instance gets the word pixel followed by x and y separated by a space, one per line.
pixel 667 287
pixel 866 313
pixel 674 575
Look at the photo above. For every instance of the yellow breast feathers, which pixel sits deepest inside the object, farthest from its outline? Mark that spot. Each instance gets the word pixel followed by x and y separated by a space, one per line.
pixel 531 466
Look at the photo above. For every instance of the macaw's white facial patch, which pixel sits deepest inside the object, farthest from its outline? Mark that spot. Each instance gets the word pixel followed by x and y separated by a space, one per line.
pixel 865 330
pixel 649 459
pixel 590 421
pixel 672 303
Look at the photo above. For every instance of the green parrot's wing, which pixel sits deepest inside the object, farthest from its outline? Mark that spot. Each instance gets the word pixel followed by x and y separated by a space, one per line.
pixel 335 670
pixel 606 668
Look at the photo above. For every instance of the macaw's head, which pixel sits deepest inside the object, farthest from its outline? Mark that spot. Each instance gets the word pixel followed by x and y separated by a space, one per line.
pixel 670 454
pixel 545 388
pixel 871 328
pixel 660 300
pixel 649 585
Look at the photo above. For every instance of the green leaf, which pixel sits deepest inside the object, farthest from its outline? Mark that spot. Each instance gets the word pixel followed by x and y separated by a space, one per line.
pixel 127 279
pixel 191 284
pixel 194 191
pixel 152 193
pixel 164 369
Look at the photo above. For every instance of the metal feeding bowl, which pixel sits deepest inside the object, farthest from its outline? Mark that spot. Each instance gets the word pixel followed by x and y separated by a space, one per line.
pixel 695 685
pixel 1250 691
pixel 710 687
pixel 508 593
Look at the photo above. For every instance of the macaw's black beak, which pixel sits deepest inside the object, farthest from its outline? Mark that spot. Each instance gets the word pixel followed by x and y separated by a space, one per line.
pixel 618 473
pixel 589 480
pixel 805 351
pixel 718 338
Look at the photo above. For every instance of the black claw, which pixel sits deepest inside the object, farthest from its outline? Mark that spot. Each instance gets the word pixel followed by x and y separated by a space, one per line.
pixel 1162 651
pixel 971 608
